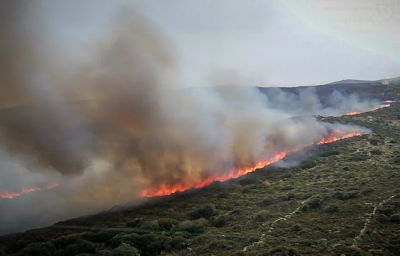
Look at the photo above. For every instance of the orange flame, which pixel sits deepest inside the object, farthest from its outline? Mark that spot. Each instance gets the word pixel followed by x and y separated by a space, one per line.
pixel 165 189
pixel 9 195
pixel 381 106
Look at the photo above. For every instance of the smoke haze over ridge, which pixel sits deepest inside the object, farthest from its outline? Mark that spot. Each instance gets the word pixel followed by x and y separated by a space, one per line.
pixel 110 125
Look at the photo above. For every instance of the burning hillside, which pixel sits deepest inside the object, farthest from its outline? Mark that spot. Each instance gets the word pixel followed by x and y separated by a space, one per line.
pixel 165 189
pixel 134 134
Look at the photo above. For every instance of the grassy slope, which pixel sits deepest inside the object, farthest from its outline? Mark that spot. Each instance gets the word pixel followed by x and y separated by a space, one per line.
pixel 316 208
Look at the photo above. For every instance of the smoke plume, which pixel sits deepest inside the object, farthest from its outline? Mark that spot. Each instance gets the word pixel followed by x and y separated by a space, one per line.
pixel 110 125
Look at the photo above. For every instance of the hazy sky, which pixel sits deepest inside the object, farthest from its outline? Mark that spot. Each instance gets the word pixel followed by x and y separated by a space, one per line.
pixel 265 43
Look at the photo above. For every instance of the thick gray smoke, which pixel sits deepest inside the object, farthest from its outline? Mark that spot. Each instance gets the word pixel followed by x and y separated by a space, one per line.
pixel 109 126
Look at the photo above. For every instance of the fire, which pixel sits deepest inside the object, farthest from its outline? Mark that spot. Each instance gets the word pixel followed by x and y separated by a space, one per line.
pixel 164 189
pixel 353 113
pixel 381 106
pixel 9 195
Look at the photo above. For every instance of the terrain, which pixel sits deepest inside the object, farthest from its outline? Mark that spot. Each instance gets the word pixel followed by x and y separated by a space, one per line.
pixel 344 199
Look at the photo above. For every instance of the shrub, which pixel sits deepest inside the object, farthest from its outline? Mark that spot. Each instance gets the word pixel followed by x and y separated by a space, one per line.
pixel 267 201
pixel 124 250
pixel 330 153
pixel 147 244
pixel 381 217
pixel 308 165
pixel 82 246
pixel 176 243
pixel 315 202
pixel 167 224
pixel 331 208
pixel 38 249
pixel 219 244
pixel 395 218
pixel 218 222
pixel 261 216
pixel 64 241
pixel 282 251
pixel 376 152
pixel 373 142
pixel 205 211
pixel 385 209
pixel 100 237
pixel 345 195
pixel 134 223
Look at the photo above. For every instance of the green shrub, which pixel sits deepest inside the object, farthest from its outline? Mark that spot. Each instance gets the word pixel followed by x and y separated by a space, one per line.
pixel 134 223
pixel 124 250
pixel 308 165
pixel 385 209
pixel 147 244
pixel 376 152
pixel 374 142
pixel 205 211
pixel 330 153
pixel 395 218
pixel 267 201
pixel 331 208
pixel 64 241
pixel 218 222
pixel 281 251
pixel 345 195
pixel 81 246
pixel 261 216
pixel 100 237
pixel 38 249
pixel 315 202
pixel 177 243
pixel 167 224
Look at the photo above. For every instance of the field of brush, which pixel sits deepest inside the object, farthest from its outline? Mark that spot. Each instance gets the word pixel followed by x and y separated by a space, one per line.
pixel 343 200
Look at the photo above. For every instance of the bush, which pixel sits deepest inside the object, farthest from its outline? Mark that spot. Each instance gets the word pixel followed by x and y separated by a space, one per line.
pixel 267 201
pixel 345 195
pixel 376 152
pixel 330 153
pixel 124 250
pixel 38 249
pixel 308 165
pixel 176 243
pixel 374 142
pixel 99 237
pixel 395 218
pixel 64 241
pixel 331 208
pixel 134 223
pixel 82 246
pixel 147 244
pixel 385 209
pixel 315 202
pixel 282 251
pixel 218 222
pixel 205 211
pixel 167 224
pixel 249 180
pixel 261 216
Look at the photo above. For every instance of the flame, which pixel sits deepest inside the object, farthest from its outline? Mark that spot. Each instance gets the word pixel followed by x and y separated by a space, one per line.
pixel 165 189
pixel 390 101
pixel 9 195
pixel 381 106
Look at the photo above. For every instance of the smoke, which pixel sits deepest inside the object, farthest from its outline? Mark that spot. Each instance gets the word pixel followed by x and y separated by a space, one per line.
pixel 110 125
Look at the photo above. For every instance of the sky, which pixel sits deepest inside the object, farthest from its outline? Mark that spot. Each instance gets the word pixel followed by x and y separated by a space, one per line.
pixel 263 43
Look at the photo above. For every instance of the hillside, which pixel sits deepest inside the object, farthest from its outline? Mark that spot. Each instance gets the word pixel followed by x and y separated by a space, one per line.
pixel 343 200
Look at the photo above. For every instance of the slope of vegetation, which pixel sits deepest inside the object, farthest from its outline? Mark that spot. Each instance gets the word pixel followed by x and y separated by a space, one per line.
pixel 343 200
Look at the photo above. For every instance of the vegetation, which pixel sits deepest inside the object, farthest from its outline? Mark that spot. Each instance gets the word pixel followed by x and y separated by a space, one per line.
pixel 316 208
